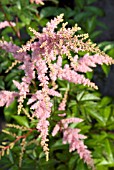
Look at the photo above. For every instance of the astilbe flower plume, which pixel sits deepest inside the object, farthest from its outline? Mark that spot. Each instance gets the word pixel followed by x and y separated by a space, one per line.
pixel 37 1
pixel 7 97
pixel 6 24
pixel 45 64
pixel 74 139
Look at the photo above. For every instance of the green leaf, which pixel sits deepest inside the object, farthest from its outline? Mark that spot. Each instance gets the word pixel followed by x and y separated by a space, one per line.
pixel 61 156
pixel 72 103
pixel 51 11
pixel 111 52
pixel 107 113
pixel 102 168
pixel 109 153
pixel 74 110
pixel 61 167
pixel 89 96
pixel 2 84
pixel 81 16
pixel 95 34
pixel 72 162
pixel 81 166
pixel 103 44
pixel 4 65
pixel 25 19
pixel 21 120
pixel 80 95
pixel 58 145
pixel 47 164
pixel 11 157
pixel 95 114
pixel 32 8
pixel 11 75
pixel 80 3
pixel 105 101
pixel 14 167
pixel 89 75
pixel 62 83
pixel 109 46
pixel 94 10
pixel 69 13
pixel 90 1
pixel 10 110
pixel 18 5
pixel 106 69
pixel 91 24
pixel 55 1
pixel 107 159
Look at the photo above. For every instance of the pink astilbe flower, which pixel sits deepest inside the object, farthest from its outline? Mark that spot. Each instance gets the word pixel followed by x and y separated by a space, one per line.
pixel 52 92
pixel 62 105
pixel 43 67
pixel 72 76
pixel 74 139
pixel 12 48
pixel 9 47
pixel 37 1
pixel 7 97
pixel 56 129
pixel 6 24
pixel 50 26
pixel 23 88
pixel 84 64
pixel 63 124
pixel 67 121
pixel 42 108
pixel 56 69
pixel 28 67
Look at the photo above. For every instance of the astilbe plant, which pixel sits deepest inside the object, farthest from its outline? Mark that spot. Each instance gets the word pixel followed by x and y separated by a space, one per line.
pixel 41 59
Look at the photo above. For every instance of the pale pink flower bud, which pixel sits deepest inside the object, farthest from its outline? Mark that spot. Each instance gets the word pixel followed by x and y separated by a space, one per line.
pixel 7 97
pixel 55 130
pixel 7 24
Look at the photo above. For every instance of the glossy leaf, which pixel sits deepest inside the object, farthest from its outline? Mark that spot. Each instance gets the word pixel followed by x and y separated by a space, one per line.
pixel 22 120
pixel 89 96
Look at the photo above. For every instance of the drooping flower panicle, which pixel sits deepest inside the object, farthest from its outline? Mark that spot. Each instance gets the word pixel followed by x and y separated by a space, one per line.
pixel 7 24
pixel 74 139
pixel 7 97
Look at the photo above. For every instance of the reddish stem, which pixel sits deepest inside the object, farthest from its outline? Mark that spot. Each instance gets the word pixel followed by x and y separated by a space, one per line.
pixel 18 138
